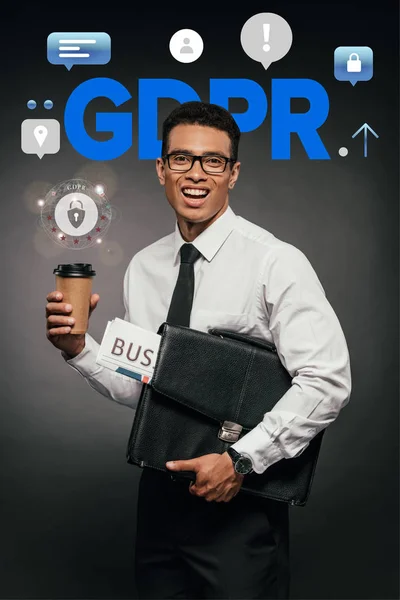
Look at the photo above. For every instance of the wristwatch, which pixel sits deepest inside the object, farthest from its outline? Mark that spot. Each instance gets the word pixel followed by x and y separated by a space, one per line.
pixel 242 464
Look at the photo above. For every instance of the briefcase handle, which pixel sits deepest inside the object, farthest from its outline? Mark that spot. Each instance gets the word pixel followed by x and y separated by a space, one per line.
pixel 243 338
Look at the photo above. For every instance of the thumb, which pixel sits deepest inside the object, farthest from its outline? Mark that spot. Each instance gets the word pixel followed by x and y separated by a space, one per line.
pixel 93 301
pixel 183 465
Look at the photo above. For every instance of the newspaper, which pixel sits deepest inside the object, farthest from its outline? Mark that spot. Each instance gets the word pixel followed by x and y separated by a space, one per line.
pixel 129 350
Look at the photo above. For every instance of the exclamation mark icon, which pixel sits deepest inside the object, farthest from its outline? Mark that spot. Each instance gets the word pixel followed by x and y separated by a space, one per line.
pixel 266 28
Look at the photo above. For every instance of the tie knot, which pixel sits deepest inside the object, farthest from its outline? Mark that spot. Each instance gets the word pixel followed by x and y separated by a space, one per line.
pixel 189 254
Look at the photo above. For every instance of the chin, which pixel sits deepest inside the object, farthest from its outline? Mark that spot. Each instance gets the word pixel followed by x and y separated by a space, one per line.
pixel 197 212
pixel 191 213
pixel 194 215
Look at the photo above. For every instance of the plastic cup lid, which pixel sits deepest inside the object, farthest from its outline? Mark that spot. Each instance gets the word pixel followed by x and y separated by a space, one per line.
pixel 75 270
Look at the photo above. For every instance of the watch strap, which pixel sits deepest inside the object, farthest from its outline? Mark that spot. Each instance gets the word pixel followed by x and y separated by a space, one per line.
pixel 234 454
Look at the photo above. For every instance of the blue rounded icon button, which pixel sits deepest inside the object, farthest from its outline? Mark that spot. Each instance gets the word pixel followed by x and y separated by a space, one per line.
pixel 353 63
pixel 73 48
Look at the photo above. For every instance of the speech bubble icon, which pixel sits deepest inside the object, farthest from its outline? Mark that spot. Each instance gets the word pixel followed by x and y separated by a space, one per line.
pixel 40 136
pixel 266 38
pixel 353 63
pixel 73 48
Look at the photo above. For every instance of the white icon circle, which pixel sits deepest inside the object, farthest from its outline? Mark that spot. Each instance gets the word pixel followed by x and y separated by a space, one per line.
pixel 186 45
pixel 343 151
pixel 63 219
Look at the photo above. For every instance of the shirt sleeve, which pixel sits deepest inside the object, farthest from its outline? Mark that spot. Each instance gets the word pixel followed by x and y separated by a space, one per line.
pixel 114 386
pixel 312 347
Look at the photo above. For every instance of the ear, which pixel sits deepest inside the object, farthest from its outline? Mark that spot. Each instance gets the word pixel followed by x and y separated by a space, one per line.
pixel 160 168
pixel 234 175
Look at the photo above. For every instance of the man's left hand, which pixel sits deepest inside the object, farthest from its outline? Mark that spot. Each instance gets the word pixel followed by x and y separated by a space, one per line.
pixel 216 478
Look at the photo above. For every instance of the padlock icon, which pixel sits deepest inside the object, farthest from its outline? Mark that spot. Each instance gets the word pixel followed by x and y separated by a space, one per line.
pixel 354 64
pixel 76 215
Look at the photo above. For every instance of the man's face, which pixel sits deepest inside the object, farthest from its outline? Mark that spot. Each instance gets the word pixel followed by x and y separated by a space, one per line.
pixel 197 196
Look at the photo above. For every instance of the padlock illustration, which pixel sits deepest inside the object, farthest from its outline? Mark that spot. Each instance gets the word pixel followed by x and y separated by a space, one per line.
pixel 354 64
pixel 76 215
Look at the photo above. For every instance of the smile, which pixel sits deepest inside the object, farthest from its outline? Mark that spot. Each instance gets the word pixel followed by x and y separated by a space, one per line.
pixel 195 193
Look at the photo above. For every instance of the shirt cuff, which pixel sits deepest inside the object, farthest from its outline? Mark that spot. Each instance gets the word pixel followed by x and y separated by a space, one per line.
pixel 257 446
pixel 85 361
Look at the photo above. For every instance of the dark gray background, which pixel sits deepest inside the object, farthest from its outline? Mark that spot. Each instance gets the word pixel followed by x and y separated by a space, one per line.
pixel 68 498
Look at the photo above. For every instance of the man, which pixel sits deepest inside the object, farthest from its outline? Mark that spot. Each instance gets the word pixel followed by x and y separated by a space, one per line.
pixel 206 540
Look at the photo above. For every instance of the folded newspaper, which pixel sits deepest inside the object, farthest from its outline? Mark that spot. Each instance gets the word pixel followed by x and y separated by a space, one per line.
pixel 129 350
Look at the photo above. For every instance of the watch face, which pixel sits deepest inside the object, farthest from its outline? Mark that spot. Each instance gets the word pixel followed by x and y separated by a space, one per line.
pixel 243 465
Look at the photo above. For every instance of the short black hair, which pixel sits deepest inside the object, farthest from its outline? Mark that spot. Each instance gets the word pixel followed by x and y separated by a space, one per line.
pixel 206 114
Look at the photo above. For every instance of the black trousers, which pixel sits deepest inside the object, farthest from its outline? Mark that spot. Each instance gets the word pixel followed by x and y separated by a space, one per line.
pixel 187 547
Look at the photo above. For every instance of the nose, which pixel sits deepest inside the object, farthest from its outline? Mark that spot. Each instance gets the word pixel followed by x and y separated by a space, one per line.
pixel 196 172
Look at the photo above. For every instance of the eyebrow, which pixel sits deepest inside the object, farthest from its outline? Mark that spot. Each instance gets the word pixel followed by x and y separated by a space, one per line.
pixel 185 151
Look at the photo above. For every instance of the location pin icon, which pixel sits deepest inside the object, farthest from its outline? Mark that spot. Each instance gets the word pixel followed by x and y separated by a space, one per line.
pixel 40 132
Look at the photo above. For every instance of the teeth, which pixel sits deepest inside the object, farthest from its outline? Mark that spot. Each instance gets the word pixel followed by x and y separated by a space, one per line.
pixel 195 192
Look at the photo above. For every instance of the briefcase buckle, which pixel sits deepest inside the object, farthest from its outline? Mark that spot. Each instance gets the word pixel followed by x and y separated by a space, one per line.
pixel 229 431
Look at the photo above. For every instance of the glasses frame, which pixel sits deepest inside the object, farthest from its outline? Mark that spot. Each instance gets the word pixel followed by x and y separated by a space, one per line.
pixel 194 157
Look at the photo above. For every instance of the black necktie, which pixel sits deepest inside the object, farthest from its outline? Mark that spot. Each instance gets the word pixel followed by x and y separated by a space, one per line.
pixel 182 297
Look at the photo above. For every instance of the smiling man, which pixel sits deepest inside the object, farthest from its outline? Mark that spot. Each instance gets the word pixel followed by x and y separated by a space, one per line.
pixel 205 539
pixel 197 170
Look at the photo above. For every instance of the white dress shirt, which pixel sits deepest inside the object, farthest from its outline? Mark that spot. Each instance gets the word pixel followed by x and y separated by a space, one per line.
pixel 249 281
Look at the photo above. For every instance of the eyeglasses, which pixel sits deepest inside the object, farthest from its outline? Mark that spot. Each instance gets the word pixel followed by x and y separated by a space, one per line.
pixel 210 163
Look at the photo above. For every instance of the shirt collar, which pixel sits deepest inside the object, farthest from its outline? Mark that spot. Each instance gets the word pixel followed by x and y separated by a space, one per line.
pixel 211 239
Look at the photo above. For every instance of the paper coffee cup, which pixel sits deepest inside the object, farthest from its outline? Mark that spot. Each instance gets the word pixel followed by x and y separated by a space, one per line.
pixel 74 281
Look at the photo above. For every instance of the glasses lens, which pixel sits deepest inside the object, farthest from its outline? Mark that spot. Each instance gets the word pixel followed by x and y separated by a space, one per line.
pixel 180 162
pixel 213 164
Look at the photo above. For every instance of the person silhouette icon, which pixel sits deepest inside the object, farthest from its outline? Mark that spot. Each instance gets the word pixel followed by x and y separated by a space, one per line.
pixel 186 45
pixel 186 49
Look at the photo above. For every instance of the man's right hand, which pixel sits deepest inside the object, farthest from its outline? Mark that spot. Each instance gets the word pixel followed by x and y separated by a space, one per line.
pixel 58 324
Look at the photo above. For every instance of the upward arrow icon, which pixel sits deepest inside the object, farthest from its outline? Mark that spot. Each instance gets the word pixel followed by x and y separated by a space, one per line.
pixel 365 128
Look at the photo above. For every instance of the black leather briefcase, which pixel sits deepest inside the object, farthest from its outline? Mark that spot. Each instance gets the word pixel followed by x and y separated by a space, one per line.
pixel 208 390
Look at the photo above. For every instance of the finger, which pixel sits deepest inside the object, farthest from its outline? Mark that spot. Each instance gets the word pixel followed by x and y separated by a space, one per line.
pixel 58 308
pixel 215 496
pixel 94 300
pixel 223 498
pixel 232 494
pixel 59 331
pixel 54 296
pixel 183 465
pixel 225 495
pixel 196 491
pixel 60 321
